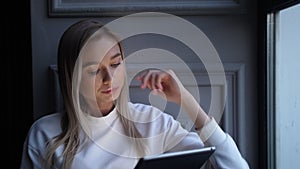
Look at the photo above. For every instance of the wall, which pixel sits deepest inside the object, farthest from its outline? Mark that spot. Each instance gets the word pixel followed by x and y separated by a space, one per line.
pixel 232 31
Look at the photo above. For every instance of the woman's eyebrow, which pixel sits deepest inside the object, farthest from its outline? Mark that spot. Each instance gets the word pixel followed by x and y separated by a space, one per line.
pixel 96 63
pixel 115 55
pixel 90 63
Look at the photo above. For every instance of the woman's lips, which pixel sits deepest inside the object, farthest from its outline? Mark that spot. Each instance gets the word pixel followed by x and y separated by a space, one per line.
pixel 110 90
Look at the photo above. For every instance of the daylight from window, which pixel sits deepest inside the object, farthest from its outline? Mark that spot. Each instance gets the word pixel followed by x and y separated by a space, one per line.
pixel 288 88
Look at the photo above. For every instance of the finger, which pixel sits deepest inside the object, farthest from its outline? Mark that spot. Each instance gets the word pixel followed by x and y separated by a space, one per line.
pixel 159 82
pixel 145 80
pixel 141 75
pixel 149 82
pixel 138 78
pixel 153 80
pixel 155 83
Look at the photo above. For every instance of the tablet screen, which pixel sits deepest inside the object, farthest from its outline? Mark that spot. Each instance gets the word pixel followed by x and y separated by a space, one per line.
pixel 187 159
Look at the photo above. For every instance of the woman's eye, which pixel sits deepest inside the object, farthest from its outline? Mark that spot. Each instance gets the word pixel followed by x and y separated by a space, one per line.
pixel 115 64
pixel 94 72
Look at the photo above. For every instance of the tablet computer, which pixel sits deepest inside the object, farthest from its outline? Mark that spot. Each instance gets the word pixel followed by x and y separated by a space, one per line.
pixel 187 159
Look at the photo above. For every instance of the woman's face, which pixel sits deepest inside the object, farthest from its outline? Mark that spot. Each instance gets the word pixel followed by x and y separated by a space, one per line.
pixel 103 72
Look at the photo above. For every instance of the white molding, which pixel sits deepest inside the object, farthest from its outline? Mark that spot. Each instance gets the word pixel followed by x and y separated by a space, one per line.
pixel 60 8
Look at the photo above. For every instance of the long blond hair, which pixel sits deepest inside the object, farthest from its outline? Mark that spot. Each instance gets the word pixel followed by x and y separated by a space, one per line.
pixel 74 121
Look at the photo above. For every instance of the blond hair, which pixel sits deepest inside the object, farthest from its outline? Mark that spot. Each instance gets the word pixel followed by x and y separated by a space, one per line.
pixel 74 39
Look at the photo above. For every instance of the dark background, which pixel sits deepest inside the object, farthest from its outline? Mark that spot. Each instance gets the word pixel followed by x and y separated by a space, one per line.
pixel 17 73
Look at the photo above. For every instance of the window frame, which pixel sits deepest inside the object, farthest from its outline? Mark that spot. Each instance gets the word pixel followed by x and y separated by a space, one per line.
pixel 266 44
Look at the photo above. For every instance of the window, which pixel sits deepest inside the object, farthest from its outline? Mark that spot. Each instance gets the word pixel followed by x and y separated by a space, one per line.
pixel 283 98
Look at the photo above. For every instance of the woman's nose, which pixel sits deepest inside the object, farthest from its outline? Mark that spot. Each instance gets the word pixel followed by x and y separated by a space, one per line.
pixel 107 76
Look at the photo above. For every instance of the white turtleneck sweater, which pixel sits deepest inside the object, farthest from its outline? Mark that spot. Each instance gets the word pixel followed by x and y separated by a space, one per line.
pixel 110 148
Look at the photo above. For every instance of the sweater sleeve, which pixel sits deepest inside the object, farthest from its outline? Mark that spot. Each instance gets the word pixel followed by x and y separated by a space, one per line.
pixel 177 138
pixel 31 159
pixel 227 154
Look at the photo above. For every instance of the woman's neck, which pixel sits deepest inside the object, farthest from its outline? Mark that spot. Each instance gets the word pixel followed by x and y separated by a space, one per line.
pixel 105 110
pixel 101 109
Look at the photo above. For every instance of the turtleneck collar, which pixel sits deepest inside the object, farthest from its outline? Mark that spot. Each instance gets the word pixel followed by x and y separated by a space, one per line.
pixel 108 119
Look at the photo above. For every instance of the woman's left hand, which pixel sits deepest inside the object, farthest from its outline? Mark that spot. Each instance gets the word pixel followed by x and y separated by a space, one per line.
pixel 163 83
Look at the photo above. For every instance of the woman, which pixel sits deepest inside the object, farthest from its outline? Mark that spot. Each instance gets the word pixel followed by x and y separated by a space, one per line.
pixel 101 128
